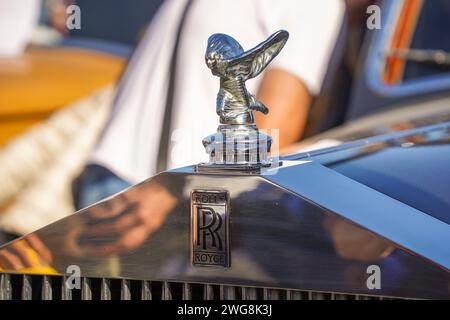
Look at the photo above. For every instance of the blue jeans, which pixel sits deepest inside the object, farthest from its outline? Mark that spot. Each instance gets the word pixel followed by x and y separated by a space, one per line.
pixel 94 184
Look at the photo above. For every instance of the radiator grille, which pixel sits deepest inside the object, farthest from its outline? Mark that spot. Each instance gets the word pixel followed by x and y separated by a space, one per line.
pixel 36 287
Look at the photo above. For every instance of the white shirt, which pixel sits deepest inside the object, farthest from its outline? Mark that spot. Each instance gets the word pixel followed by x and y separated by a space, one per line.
pixel 18 20
pixel 130 143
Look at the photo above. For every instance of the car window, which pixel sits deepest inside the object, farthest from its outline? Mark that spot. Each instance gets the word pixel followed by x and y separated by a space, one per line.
pixel 432 32
pixel 395 66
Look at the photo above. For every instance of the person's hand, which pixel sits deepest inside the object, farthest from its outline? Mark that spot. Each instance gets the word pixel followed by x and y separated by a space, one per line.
pixel 28 252
pixel 58 15
pixel 353 242
pixel 123 223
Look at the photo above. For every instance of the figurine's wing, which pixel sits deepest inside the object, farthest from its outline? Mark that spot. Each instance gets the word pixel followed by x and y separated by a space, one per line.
pixel 250 63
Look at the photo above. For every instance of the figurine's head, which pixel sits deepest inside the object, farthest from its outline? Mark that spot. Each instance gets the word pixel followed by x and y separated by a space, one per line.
pixel 226 57
pixel 221 48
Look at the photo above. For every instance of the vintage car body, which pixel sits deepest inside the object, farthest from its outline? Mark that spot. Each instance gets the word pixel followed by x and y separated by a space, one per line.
pixel 308 229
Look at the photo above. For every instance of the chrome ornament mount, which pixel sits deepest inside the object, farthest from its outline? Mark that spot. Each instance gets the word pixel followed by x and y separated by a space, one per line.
pixel 238 144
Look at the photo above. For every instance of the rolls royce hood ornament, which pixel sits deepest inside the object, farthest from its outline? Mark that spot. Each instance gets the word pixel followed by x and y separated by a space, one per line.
pixel 238 143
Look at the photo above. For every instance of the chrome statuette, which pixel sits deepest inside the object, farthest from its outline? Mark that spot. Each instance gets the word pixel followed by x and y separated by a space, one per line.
pixel 238 142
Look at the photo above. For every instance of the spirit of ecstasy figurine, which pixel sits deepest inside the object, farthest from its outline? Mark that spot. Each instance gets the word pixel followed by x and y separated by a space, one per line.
pixel 238 143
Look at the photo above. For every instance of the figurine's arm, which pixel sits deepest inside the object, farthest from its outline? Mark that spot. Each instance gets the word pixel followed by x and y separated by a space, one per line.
pixel 256 105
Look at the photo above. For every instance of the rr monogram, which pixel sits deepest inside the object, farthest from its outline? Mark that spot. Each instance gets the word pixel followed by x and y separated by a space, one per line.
pixel 209 228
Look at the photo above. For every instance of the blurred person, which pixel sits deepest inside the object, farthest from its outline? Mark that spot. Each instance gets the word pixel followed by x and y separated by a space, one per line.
pixel 18 20
pixel 329 110
pixel 56 11
pixel 168 88
pixel 52 28
pixel 38 166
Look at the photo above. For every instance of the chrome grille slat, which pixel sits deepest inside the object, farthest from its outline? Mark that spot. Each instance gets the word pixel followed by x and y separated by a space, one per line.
pixel 105 289
pixel 227 293
pixel 166 293
pixel 187 291
pixel 44 287
pixel 125 293
pixel 27 293
pixel 86 292
pixel 5 287
pixel 47 288
pixel 338 296
pixel 295 295
pixel 208 292
pixel 312 295
pixel 249 293
pixel 66 292
pixel 363 297
pixel 272 294
pixel 146 290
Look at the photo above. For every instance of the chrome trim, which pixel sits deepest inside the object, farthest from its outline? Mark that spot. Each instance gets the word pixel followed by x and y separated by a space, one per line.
pixel 187 291
pixel 86 292
pixel 26 287
pixel 208 292
pixel 5 287
pixel 385 216
pixel 368 141
pixel 125 293
pixel 46 288
pixel 105 291
pixel 249 293
pixel 166 291
pixel 66 293
pixel 285 214
pixel 146 291
pixel 227 293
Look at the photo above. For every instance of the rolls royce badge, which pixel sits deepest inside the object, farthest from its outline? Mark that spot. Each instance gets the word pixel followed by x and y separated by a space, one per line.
pixel 209 228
